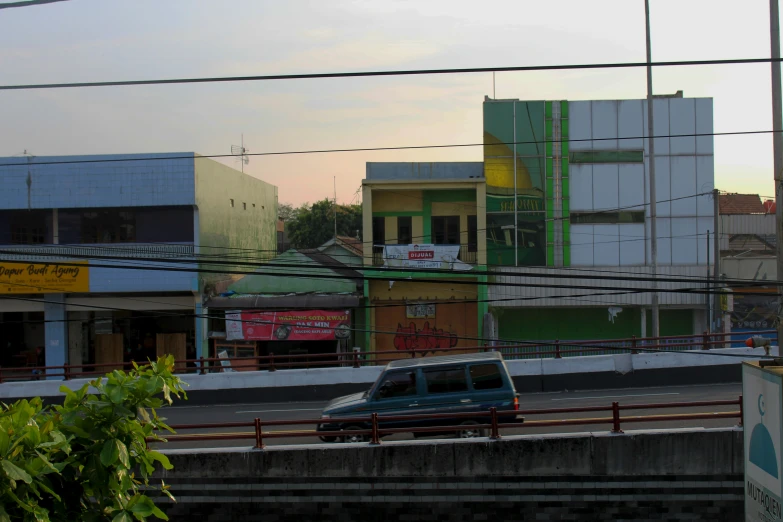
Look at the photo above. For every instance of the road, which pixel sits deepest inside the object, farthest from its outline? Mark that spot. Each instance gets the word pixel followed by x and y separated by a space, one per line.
pixel 312 410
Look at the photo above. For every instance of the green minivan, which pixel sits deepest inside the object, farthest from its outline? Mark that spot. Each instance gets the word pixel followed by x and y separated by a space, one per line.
pixel 447 384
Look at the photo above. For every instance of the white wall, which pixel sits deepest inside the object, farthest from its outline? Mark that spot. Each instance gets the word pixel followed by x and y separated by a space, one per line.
pixel 684 167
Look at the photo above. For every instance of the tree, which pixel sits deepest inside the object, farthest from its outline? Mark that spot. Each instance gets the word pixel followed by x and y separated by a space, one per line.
pixel 87 459
pixel 313 225
pixel 286 212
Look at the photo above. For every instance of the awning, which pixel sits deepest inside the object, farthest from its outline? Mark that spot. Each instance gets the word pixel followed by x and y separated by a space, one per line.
pixel 284 301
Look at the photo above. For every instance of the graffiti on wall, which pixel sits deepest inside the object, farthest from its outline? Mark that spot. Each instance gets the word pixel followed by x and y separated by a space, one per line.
pixel 426 338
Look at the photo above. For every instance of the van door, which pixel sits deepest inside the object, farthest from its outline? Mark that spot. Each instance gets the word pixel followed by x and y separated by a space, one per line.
pixel 491 387
pixel 446 391
pixel 397 394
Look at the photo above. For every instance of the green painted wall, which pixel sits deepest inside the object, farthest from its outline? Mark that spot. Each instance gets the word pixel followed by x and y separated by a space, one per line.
pixel 224 228
pixel 585 323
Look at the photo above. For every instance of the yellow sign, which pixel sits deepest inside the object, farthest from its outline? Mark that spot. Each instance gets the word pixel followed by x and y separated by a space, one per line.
pixel 44 278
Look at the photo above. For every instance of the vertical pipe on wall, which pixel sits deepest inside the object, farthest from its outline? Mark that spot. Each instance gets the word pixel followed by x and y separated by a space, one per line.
pixel 516 230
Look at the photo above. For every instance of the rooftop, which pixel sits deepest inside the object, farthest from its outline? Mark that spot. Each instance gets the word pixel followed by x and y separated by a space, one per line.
pixel 741 204
pixel 426 171
pixel 446 359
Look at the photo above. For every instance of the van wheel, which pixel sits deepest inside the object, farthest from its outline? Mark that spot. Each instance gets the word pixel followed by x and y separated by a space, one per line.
pixel 354 438
pixel 328 439
pixel 469 432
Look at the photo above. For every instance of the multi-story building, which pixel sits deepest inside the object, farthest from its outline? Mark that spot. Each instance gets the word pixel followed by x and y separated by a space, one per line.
pixel 562 195
pixel 106 258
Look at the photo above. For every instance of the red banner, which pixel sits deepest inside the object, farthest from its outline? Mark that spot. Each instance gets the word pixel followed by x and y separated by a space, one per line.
pixel 297 325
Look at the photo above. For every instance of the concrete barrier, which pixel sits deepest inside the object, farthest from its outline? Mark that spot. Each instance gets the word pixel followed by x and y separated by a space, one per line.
pixel 530 375
pixel 644 475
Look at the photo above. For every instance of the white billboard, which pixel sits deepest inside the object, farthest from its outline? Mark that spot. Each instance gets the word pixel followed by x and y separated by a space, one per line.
pixel 445 257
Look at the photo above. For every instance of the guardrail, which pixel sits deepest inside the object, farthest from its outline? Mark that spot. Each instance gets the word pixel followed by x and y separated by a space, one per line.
pixel 556 349
pixel 370 427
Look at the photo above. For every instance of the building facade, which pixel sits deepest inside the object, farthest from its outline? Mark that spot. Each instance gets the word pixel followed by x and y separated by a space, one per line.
pixel 106 258
pixel 562 213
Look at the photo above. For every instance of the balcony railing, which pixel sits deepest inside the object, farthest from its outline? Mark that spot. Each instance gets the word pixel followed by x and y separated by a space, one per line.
pixel 467 254
pixel 114 250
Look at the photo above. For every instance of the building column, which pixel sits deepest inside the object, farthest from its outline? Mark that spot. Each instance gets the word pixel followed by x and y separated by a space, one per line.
pixel 76 347
pixel 56 331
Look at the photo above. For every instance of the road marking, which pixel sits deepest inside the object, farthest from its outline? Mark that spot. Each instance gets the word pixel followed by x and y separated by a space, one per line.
pixel 278 411
pixel 614 396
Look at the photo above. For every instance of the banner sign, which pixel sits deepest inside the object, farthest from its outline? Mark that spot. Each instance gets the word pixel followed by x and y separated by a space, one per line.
pixel 420 310
pixel 297 325
pixel 762 391
pixel 423 256
pixel 44 278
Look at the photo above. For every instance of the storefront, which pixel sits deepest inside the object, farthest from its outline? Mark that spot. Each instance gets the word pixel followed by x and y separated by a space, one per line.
pixel 287 334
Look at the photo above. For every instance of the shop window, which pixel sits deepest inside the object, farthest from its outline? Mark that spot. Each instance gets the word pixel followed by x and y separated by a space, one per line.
pixel 404 230
pixel 25 227
pixel 607 217
pixel 450 380
pixel 486 377
pixel 445 230
pixel 398 384
pixel 472 234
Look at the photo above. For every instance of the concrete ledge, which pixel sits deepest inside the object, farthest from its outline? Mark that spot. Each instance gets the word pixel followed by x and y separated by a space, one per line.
pixel 530 375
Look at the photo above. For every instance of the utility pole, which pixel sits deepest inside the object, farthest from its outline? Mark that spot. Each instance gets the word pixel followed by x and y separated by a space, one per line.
pixel 777 144
pixel 716 262
pixel 335 208
pixel 656 327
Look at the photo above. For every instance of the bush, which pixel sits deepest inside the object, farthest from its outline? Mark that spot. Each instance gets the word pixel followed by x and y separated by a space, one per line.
pixel 87 459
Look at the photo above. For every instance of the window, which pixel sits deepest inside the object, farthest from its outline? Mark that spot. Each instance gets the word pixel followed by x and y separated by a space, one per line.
pixel 447 380
pixel 472 234
pixel 404 230
pixel 28 228
pixel 109 226
pixel 232 203
pixel 607 156
pixel 399 384
pixel 583 218
pixel 486 377
pixel 445 230
pixel 244 206
pixel 378 231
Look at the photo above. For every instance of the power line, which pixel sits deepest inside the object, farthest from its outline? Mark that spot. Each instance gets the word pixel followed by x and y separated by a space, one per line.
pixel 28 3
pixel 399 72
pixel 166 157
pixel 578 344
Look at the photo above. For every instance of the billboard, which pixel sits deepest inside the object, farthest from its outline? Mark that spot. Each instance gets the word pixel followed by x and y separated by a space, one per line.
pixel 298 325
pixel 515 170
pixel 762 411
pixel 423 256
pixel 44 278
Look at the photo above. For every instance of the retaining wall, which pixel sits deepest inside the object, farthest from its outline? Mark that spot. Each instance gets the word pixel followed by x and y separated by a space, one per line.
pixel 530 375
pixel 646 475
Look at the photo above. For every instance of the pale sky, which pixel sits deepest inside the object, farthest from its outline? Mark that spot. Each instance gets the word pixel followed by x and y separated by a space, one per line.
pixel 94 40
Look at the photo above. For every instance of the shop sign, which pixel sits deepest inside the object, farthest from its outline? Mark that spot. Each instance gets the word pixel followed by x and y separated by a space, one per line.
pixel 420 310
pixel 296 325
pixel 44 278
pixel 762 410
pixel 423 256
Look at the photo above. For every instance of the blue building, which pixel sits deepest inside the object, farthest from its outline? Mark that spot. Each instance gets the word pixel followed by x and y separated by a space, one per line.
pixel 104 259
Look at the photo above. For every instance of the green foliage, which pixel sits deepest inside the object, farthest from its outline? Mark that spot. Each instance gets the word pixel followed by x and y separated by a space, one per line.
pixel 310 226
pixel 88 459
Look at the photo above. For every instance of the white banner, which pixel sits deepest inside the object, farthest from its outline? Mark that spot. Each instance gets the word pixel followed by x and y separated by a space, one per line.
pixel 423 256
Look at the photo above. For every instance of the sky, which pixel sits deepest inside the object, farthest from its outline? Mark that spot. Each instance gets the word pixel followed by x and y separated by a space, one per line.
pixel 97 40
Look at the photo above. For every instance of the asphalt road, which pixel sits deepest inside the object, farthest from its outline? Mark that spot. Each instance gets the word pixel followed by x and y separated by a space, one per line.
pixel 183 415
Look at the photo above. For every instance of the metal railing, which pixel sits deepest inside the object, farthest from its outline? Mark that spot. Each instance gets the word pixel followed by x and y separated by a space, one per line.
pixel 272 362
pixel 48 253
pixel 371 426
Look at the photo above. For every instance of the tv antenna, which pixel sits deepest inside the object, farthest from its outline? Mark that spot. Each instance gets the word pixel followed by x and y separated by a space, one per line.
pixel 241 151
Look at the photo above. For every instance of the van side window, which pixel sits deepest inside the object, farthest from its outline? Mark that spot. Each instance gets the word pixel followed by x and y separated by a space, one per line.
pixel 398 384
pixel 447 380
pixel 486 377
